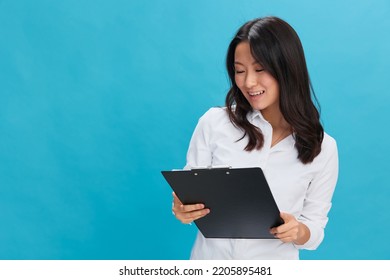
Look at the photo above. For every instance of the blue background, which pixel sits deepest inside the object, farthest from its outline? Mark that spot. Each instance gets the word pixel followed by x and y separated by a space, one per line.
pixel 96 97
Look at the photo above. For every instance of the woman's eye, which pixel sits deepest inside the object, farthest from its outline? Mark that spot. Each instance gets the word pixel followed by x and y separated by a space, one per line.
pixel 239 71
pixel 259 70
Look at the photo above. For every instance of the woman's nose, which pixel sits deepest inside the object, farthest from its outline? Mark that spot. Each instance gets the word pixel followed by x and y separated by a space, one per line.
pixel 250 80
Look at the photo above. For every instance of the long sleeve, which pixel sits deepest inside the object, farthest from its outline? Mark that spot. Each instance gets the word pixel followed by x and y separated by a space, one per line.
pixel 318 198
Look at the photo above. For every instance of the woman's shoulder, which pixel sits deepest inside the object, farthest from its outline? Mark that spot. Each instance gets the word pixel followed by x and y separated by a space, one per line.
pixel 215 115
pixel 328 148
pixel 216 111
pixel 329 142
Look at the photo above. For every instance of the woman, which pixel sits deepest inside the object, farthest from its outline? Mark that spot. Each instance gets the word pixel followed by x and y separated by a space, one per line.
pixel 269 121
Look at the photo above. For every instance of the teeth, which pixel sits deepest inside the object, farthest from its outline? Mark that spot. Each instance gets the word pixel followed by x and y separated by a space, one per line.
pixel 256 93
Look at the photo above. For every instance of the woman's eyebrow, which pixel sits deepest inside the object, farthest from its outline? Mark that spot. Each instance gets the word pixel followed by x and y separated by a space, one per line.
pixel 253 63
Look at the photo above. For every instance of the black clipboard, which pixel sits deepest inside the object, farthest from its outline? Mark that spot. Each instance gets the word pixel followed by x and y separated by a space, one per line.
pixel 240 201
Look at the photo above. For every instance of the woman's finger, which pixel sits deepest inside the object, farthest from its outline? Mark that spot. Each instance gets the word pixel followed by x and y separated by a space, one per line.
pixel 179 207
pixel 192 216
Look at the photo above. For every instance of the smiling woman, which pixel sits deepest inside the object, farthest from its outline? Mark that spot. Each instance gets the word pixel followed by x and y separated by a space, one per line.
pixel 269 121
pixel 271 48
pixel 260 89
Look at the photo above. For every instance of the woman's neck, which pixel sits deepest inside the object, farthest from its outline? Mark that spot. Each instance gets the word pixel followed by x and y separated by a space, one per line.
pixel 276 119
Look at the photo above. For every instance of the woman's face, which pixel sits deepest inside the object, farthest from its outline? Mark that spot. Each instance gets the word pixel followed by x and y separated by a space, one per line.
pixel 257 85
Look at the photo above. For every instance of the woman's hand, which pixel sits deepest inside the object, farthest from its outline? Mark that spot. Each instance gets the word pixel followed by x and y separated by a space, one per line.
pixel 291 230
pixel 188 213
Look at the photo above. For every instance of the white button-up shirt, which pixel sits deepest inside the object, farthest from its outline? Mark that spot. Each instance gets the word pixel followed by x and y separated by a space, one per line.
pixel 303 190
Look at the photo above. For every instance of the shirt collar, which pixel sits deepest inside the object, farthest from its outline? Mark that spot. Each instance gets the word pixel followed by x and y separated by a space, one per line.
pixel 255 114
pixel 285 144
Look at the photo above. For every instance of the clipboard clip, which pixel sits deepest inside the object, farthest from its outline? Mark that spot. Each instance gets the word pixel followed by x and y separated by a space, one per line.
pixel 226 168
pixel 211 167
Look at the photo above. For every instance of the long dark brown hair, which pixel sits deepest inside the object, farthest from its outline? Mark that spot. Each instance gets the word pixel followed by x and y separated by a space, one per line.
pixel 276 47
